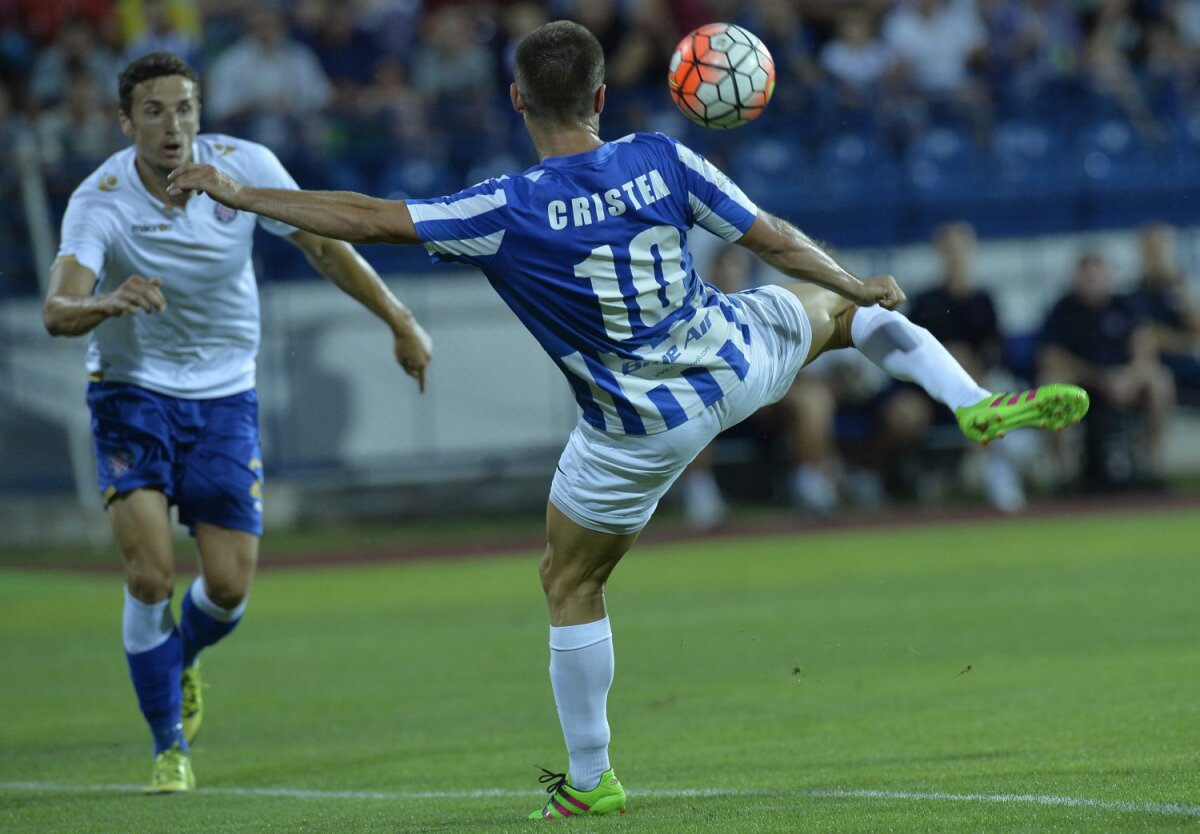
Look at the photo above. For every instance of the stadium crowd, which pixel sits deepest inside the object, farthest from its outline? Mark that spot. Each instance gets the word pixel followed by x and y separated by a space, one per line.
pixel 912 110
pixel 890 117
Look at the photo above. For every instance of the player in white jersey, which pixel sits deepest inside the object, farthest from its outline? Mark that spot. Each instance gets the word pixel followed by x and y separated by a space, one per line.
pixel 589 249
pixel 164 287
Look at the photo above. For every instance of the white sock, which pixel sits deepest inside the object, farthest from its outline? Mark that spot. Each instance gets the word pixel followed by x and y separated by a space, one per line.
pixel 581 672
pixel 145 626
pixel 703 506
pixel 813 489
pixel 223 615
pixel 911 354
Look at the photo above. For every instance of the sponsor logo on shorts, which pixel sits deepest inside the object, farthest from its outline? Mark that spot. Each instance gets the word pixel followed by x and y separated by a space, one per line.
pixel 120 462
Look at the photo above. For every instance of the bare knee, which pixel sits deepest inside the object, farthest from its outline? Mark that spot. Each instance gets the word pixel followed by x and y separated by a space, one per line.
pixel 149 580
pixel 227 591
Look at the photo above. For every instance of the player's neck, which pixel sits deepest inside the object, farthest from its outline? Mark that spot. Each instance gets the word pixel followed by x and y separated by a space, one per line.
pixel 156 183
pixel 565 141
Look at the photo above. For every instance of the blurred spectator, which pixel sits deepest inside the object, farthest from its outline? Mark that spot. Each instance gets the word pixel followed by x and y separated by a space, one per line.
pixel 936 44
pixel 856 59
pixel 75 136
pixel 1161 302
pixel 43 20
pixel 803 419
pixel 346 52
pixel 793 45
pixel 449 61
pixel 1092 338
pixel 1031 43
pixel 76 49
pixel 1111 38
pixel 937 41
pixel 159 26
pixel 963 318
pixel 267 86
pixel 519 20
pixel 16 265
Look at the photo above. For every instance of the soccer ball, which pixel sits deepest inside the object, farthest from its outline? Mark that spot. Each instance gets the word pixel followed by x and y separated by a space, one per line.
pixel 721 76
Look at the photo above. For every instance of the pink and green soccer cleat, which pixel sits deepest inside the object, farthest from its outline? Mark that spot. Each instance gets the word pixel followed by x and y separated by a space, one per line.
pixel 606 798
pixel 1051 407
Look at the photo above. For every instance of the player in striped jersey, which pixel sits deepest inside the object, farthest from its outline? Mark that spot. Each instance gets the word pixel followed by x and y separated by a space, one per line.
pixel 589 249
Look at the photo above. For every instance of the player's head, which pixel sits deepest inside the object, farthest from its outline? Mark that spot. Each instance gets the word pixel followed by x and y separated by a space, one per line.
pixel 160 109
pixel 559 75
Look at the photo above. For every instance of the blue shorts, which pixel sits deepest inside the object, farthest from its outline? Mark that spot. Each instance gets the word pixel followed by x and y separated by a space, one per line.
pixel 202 454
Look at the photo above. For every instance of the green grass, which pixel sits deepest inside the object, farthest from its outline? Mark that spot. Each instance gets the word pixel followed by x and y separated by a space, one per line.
pixel 770 670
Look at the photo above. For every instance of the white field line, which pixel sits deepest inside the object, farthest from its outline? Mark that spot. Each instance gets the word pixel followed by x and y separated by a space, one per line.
pixel 1158 808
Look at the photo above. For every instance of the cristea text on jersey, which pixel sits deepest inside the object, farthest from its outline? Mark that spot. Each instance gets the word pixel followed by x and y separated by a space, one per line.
pixel 594 208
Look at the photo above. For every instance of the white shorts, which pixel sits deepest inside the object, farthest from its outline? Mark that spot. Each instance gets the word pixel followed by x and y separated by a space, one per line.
pixel 613 483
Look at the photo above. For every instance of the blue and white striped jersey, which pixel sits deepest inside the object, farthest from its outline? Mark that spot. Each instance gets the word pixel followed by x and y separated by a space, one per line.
pixel 590 251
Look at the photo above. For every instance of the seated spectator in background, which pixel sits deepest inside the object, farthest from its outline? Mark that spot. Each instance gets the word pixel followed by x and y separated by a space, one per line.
pixel 16 266
pixel 267 85
pixel 1108 66
pixel 804 416
pixel 936 44
pixel 159 26
pixel 75 49
pixel 75 136
pixel 856 60
pixel 793 45
pixel 1091 337
pixel 450 62
pixel 1031 43
pixel 345 50
pixel 963 318
pixel 1161 303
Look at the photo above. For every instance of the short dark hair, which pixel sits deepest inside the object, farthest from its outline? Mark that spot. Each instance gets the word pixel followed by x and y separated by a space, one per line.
pixel 559 68
pixel 154 65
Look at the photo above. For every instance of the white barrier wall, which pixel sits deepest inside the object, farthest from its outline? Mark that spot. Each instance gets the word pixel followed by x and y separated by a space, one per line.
pixel 338 411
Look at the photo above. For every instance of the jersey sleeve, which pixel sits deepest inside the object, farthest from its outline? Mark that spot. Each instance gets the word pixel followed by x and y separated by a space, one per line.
pixel 717 204
pixel 85 233
pixel 467 227
pixel 268 172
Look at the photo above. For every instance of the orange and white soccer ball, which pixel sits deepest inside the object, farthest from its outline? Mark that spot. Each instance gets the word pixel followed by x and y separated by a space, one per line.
pixel 721 75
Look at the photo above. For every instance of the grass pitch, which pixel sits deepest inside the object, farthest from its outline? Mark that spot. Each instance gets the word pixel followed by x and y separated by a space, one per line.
pixel 1005 676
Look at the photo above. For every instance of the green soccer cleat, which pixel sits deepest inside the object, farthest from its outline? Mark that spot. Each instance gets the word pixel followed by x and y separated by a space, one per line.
pixel 193 702
pixel 1052 407
pixel 172 772
pixel 606 798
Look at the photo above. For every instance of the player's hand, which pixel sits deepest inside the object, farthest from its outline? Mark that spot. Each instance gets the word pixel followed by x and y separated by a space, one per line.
pixel 882 290
pixel 137 293
pixel 414 350
pixel 206 179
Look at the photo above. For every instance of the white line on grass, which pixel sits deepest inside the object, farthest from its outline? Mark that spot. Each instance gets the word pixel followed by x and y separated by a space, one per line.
pixel 1160 808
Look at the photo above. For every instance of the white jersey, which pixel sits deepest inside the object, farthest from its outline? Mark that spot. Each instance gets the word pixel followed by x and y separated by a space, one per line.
pixel 205 343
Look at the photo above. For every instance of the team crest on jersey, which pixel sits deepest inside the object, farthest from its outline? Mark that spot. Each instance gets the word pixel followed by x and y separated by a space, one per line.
pixel 120 462
pixel 223 149
pixel 107 184
pixel 224 214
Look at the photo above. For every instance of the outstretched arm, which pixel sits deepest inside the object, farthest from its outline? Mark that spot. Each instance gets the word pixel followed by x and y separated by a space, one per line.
pixel 783 246
pixel 348 271
pixel 341 215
